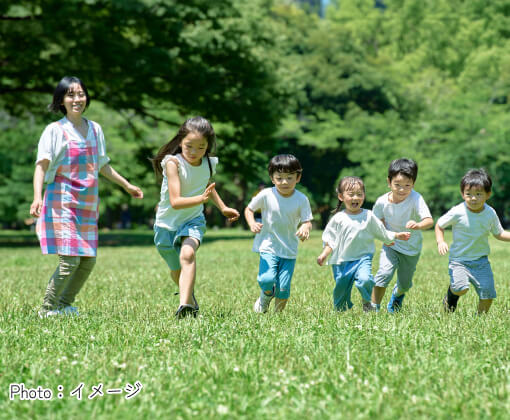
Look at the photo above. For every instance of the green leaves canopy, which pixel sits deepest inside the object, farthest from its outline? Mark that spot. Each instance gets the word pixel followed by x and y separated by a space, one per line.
pixel 346 94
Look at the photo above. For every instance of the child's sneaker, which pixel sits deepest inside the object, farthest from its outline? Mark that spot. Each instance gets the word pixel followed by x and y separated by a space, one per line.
pixel 448 308
pixel 262 303
pixel 195 303
pixel 395 302
pixel 368 307
pixel 43 313
pixel 450 301
pixel 184 311
pixel 70 311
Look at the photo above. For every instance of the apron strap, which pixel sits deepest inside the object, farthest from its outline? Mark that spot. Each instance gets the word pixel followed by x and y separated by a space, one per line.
pixel 93 128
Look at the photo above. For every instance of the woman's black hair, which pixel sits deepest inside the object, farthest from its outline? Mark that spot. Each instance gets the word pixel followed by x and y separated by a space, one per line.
pixel 346 183
pixel 61 90
pixel 197 125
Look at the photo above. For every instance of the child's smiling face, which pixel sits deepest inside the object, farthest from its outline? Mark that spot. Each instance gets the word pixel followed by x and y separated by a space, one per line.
pixel 353 198
pixel 400 186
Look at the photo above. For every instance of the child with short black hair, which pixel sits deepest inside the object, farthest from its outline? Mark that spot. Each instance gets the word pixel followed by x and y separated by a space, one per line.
pixel 283 210
pixel 399 209
pixel 471 222
pixel 349 238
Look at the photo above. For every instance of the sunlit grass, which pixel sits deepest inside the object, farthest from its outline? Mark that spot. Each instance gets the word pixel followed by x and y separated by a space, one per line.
pixel 308 362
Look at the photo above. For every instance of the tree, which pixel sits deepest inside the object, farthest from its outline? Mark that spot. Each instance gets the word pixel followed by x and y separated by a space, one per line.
pixel 154 61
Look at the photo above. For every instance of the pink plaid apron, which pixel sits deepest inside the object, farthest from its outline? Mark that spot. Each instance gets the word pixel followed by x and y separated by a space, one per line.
pixel 68 222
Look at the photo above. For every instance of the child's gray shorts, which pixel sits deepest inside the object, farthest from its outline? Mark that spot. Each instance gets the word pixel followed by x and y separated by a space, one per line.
pixel 477 272
pixel 391 260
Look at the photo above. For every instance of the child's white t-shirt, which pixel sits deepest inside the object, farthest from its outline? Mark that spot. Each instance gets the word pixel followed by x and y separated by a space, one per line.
pixel 53 144
pixel 194 180
pixel 396 215
pixel 470 231
pixel 351 236
pixel 280 219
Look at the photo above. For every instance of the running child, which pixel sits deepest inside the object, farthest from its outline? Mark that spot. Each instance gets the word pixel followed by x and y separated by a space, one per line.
pixel 399 209
pixel 471 223
pixel 186 168
pixel 283 210
pixel 349 242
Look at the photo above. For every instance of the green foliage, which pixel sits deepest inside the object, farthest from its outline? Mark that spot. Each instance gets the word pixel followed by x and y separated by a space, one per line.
pixel 445 68
pixel 347 93
pixel 155 63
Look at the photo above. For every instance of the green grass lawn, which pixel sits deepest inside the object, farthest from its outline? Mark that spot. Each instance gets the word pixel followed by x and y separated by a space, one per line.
pixel 308 362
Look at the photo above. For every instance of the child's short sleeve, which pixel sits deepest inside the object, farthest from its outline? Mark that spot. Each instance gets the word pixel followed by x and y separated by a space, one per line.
pixel 448 219
pixel 496 227
pixel 422 208
pixel 306 211
pixel 165 160
pixel 258 202
pixel 330 234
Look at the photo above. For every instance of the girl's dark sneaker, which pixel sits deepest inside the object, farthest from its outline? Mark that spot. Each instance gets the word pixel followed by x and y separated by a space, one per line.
pixel 184 311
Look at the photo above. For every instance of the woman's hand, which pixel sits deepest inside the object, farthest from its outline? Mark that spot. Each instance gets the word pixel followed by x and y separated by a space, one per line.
pixel 134 191
pixel 36 207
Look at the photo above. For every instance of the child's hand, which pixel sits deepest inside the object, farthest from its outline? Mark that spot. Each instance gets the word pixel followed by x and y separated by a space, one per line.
pixel 207 192
pixel 321 259
pixel 403 236
pixel 134 191
pixel 256 227
pixel 442 248
pixel 411 224
pixel 231 214
pixel 303 232
pixel 36 208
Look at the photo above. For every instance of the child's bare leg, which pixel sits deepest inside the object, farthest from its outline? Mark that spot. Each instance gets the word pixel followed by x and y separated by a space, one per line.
pixel 188 270
pixel 484 305
pixel 279 304
pixel 377 294
pixel 175 276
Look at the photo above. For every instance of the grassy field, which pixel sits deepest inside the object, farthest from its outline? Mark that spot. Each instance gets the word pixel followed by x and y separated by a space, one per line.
pixel 308 362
